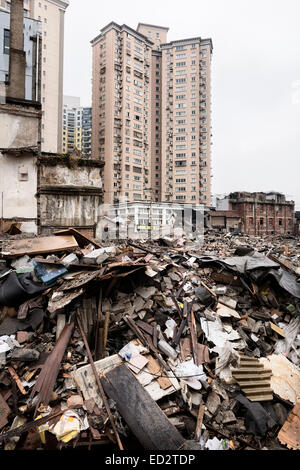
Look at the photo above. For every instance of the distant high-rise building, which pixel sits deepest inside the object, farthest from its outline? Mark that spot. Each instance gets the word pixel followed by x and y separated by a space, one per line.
pixel 77 127
pixel 86 146
pixel 50 13
pixel 152 115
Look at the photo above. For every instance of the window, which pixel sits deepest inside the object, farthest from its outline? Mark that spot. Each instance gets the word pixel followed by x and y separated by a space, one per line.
pixel 6 41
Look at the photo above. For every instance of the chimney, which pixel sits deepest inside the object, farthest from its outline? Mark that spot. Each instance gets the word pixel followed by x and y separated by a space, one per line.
pixel 17 55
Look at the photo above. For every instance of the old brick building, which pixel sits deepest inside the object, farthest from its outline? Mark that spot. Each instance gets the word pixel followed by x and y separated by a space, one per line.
pixel 261 213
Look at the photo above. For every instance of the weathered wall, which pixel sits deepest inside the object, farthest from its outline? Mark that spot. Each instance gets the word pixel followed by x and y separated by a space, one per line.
pixel 19 128
pixel 18 184
pixel 79 176
pixel 19 140
pixel 70 193
pixel 68 210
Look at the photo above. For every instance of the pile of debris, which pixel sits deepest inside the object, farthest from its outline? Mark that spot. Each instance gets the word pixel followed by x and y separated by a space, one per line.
pixel 160 345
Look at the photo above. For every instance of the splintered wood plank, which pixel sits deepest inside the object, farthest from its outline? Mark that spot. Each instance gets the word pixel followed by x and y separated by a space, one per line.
pixel 35 246
pixel 154 368
pixel 290 431
pixel 4 412
pixel 143 416
pixel 82 239
pixel 164 383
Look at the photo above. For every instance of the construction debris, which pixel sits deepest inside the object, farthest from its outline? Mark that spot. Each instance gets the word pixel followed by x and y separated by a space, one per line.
pixel 290 432
pixel 166 344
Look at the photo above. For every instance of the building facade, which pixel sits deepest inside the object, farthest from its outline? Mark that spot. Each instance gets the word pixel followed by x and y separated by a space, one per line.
pixel 20 126
pixel 261 213
pixel 150 220
pixel 50 14
pixel 86 136
pixel 152 115
pixel 32 48
pixel 39 192
pixel 77 127
pixel 228 221
pixel 297 223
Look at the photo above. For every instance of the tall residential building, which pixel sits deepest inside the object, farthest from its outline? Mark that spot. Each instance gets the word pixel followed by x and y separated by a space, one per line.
pixel 152 115
pixel 51 15
pixel 86 140
pixel 77 127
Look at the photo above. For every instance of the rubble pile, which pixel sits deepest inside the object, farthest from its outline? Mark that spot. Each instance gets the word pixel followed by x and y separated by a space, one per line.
pixel 159 345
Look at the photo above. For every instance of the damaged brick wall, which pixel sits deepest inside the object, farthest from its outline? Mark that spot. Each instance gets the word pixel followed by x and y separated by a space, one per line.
pixel 264 214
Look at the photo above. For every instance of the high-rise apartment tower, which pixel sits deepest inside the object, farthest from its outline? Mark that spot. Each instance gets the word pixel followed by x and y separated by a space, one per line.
pixel 152 115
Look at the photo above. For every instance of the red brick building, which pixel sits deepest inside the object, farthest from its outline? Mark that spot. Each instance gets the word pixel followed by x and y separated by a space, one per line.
pixel 261 213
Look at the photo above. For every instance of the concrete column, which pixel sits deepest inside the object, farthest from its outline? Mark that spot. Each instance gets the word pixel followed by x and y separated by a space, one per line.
pixel 17 55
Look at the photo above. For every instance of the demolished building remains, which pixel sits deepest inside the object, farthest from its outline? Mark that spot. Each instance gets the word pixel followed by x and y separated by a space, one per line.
pixel 39 192
pixel 158 345
pixel 179 343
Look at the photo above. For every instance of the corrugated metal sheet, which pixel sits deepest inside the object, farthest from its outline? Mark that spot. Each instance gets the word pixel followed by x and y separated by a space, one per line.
pixel 254 379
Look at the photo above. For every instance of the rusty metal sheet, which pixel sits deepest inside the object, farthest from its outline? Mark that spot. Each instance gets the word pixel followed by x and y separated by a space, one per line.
pixel 35 246
pixel 47 377
pixel 203 354
pixel 254 379
pixel 186 351
pixel 225 278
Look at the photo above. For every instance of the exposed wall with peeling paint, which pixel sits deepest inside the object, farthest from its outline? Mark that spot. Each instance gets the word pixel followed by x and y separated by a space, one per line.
pixel 75 176
pixel 19 139
pixel 65 210
pixel 70 194
pixel 18 130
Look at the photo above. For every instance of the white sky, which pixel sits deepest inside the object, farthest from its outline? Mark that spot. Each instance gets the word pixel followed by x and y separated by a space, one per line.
pixel 255 78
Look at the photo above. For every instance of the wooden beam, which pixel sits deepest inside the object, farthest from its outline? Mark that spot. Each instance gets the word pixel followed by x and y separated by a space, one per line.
pixel 141 413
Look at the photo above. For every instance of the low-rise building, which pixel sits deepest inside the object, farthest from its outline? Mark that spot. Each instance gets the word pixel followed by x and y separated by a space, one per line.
pixel 230 221
pixel 261 213
pixel 150 220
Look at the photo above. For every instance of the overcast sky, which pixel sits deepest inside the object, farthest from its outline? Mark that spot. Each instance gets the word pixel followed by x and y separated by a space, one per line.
pixel 255 78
